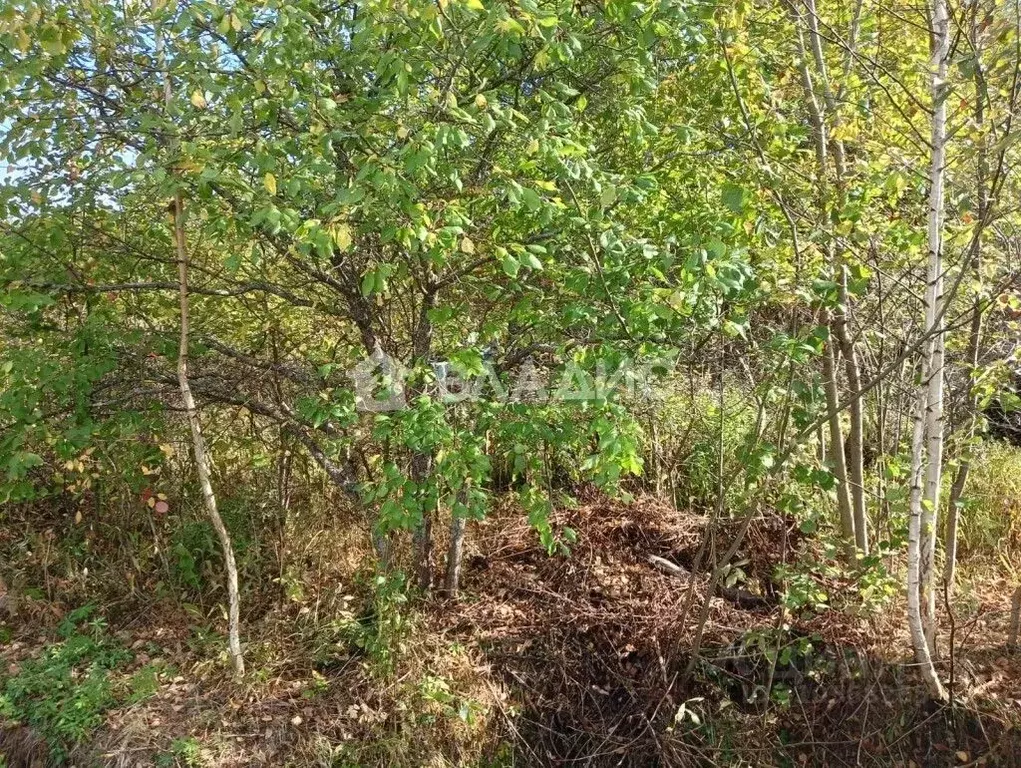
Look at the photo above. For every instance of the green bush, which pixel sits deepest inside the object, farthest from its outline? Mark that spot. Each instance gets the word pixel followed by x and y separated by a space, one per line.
pixel 64 694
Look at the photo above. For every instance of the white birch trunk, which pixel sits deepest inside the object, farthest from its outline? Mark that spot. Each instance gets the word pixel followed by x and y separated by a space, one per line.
pixel 933 312
pixel 919 644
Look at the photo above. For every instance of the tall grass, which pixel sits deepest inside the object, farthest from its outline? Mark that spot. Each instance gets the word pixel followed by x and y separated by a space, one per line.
pixel 991 513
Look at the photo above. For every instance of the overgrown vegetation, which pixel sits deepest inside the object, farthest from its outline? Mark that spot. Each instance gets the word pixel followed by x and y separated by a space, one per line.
pixel 457 382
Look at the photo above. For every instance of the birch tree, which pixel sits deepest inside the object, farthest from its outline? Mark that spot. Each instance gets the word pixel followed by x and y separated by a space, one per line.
pixel 934 311
pixel 927 431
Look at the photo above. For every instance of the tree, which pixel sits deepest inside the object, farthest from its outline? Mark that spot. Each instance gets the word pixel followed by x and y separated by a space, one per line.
pixel 928 416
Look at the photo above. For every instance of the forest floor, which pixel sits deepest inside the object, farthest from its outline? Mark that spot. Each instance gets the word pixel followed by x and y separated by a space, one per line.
pixel 555 660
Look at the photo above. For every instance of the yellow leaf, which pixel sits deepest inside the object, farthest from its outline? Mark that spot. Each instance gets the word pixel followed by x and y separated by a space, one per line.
pixel 533 146
pixel 235 22
pixel 269 181
pixel 341 234
pixel 511 26
pixel 475 5
pixel 151 502
pixel 402 132
pixel 467 245
pixel 480 101
pixel 78 517
pixel 260 87
pixel 198 100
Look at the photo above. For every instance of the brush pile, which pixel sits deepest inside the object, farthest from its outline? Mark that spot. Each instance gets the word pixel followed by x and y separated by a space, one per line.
pixel 595 646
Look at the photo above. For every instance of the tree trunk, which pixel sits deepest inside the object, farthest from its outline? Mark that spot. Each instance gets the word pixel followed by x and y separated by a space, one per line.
pixel 919 642
pixel 850 485
pixel 202 464
pixel 854 445
pixel 933 481
pixel 384 551
pixel 198 445
pixel 422 538
pixel 422 463
pixel 837 451
pixel 954 516
pixel 933 316
pixel 455 551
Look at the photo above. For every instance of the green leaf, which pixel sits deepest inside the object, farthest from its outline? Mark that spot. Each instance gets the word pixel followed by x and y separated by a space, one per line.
pixel 734 197
pixel 511 265
pixel 368 283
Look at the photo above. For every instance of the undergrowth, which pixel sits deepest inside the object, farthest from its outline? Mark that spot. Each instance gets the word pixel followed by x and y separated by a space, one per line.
pixel 991 513
pixel 64 693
